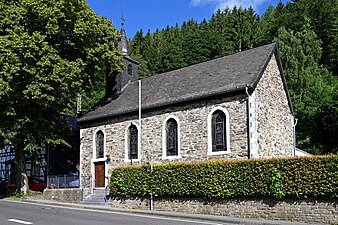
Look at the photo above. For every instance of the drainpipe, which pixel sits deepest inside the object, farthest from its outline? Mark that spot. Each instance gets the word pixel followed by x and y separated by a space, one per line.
pixel 295 121
pixel 139 116
pixel 140 111
pixel 151 193
pixel 248 121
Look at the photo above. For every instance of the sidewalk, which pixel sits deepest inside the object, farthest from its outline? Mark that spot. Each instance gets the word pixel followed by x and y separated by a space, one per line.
pixel 218 219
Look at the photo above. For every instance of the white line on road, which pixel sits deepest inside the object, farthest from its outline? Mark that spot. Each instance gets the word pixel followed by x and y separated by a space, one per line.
pixel 19 221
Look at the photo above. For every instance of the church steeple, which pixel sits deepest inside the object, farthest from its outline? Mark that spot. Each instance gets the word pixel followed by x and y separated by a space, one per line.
pixel 124 44
pixel 116 83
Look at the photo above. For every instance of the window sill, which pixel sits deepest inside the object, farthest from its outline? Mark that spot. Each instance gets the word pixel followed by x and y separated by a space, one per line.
pixel 219 153
pixel 171 157
pixel 131 160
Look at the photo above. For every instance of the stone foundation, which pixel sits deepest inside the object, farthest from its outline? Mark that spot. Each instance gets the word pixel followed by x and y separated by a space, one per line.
pixel 300 210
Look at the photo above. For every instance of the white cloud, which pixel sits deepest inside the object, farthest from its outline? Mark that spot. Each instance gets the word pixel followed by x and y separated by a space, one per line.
pixel 222 4
pixel 202 2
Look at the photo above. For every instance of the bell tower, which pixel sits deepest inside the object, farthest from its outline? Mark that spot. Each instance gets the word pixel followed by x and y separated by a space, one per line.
pixel 115 84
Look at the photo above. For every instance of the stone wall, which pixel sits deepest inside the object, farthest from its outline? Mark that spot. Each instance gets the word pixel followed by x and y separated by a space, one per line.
pixel 193 121
pixel 306 210
pixel 274 120
pixel 63 195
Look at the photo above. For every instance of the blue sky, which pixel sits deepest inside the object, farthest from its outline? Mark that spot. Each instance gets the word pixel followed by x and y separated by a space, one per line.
pixel 152 14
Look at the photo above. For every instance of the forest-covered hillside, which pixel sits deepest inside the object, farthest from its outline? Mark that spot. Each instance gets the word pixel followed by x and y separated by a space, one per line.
pixel 307 33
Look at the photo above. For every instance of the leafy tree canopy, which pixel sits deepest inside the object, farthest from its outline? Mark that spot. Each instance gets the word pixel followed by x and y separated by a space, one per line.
pixel 312 89
pixel 50 50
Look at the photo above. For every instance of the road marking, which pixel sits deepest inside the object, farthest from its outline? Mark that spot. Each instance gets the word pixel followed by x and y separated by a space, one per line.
pixel 19 221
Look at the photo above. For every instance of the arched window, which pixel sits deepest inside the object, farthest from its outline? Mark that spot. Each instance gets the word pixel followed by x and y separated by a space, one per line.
pixel 171 137
pixel 130 69
pixel 218 131
pixel 99 141
pixel 133 142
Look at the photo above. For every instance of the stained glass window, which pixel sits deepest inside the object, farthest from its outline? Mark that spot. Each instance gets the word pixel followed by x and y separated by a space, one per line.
pixel 99 144
pixel 172 137
pixel 133 142
pixel 218 128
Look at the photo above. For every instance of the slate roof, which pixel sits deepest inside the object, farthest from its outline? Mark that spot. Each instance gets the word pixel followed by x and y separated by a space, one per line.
pixel 218 76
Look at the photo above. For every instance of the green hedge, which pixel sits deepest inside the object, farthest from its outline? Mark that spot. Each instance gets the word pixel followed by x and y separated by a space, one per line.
pixel 293 177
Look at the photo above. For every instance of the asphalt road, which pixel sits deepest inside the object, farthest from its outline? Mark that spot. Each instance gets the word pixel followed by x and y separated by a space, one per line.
pixel 16 213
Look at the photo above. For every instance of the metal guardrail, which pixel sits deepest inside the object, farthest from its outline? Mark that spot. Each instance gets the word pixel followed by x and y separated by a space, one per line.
pixel 63 181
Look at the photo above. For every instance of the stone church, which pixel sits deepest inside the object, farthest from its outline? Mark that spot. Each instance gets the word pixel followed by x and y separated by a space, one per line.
pixel 233 107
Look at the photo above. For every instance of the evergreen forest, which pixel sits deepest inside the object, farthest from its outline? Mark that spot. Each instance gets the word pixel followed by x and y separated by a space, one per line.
pixel 307 34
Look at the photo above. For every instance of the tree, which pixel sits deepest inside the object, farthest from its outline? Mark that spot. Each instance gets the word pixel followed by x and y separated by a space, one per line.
pixel 220 23
pixel 312 87
pixel 201 45
pixel 136 45
pixel 267 26
pixel 243 28
pixel 146 68
pixel 324 21
pixel 49 52
pixel 171 54
pixel 326 123
pixel 322 16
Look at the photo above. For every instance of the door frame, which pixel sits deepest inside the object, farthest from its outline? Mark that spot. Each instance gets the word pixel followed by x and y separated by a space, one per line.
pixel 95 160
pixel 105 172
pixel 99 170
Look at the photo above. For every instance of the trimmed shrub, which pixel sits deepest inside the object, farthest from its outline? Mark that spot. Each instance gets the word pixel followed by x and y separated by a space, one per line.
pixel 292 177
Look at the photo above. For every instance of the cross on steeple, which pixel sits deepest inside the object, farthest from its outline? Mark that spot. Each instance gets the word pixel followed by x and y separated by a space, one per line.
pixel 122 19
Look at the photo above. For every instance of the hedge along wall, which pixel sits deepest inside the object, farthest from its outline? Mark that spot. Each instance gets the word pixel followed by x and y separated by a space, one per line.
pixel 289 177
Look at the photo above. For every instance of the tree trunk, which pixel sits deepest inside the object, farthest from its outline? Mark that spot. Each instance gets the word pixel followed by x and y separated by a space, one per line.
pixel 20 164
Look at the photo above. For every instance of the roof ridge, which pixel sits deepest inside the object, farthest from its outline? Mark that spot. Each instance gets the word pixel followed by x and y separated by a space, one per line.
pixel 210 60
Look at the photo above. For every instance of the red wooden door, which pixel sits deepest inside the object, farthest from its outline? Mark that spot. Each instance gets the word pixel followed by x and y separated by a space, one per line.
pixel 99 174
